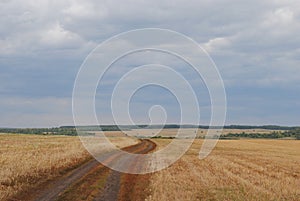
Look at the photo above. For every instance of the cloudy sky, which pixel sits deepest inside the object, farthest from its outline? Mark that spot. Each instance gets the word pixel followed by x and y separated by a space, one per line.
pixel 255 45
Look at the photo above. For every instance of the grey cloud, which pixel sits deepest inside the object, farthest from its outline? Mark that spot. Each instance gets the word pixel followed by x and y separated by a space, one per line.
pixel 255 44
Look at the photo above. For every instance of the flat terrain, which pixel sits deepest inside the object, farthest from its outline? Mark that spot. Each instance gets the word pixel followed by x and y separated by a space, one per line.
pixel 27 161
pixel 235 170
pixel 60 167
pixel 200 133
pixel 90 181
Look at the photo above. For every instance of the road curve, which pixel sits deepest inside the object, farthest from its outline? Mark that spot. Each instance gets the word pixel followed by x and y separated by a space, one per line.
pixel 54 189
pixel 112 187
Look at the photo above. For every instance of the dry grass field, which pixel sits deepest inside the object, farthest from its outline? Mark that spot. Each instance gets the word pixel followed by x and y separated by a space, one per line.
pixel 235 170
pixel 28 160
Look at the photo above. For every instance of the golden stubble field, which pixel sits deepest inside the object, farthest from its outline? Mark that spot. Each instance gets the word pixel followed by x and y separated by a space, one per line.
pixel 235 170
pixel 29 160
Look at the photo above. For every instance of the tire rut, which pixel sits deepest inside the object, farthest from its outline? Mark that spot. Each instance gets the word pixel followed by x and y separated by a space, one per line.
pixel 53 190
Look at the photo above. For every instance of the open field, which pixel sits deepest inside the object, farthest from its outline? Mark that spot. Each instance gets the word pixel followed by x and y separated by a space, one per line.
pixel 200 133
pixel 235 170
pixel 28 160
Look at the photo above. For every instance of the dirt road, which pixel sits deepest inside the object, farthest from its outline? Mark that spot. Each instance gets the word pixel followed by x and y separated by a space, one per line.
pixel 91 181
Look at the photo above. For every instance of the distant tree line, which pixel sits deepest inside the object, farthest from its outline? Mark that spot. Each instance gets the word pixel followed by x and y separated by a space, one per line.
pixel 63 130
pixel 295 133
pixel 40 131
pixel 282 132
pixel 268 127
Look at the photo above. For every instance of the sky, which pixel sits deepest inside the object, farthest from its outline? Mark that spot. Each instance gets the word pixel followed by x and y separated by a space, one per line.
pixel 254 44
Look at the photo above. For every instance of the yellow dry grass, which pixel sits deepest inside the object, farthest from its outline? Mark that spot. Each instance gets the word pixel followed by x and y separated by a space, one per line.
pixel 235 170
pixel 28 160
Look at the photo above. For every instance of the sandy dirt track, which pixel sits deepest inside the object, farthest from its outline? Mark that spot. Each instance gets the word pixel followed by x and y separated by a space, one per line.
pixel 62 187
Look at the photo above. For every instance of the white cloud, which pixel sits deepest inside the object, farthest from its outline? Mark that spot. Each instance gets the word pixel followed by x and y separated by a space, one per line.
pixel 85 9
pixel 281 16
pixel 57 36
pixel 216 44
pixel 280 23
